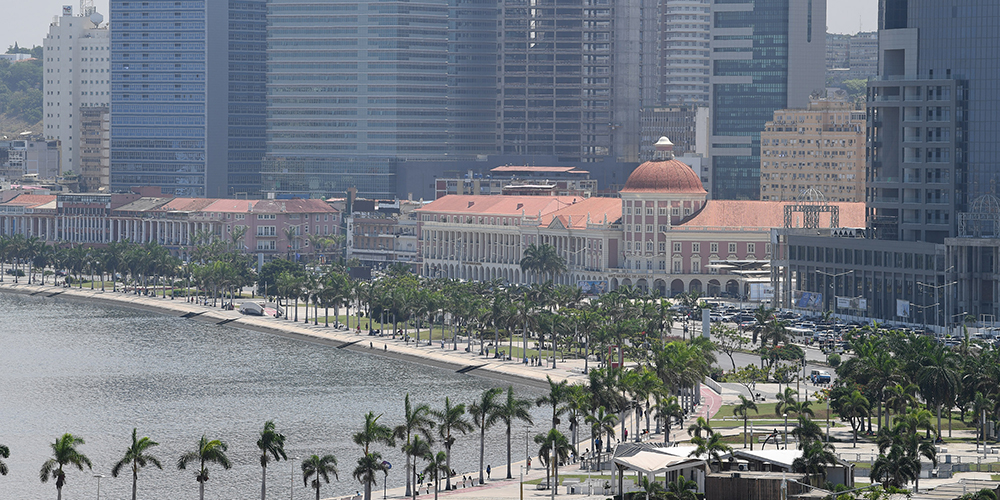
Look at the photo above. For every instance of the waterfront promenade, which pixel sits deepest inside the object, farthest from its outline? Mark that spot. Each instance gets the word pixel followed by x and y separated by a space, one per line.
pixel 447 358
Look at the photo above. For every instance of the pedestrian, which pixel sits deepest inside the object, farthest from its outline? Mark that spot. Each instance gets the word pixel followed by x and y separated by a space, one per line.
pixel 625 436
pixel 385 347
pixel 529 463
pixel 488 470
pixel 371 346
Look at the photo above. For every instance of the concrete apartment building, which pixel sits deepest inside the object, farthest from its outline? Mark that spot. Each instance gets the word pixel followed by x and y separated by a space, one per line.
pixel 821 148
pixel 77 76
pixel 95 148
pixel 685 56
pixel 788 38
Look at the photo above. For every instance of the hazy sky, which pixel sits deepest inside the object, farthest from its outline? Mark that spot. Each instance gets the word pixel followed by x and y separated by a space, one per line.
pixel 28 20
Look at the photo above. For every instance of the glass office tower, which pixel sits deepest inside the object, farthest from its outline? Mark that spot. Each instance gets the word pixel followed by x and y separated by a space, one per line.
pixel 187 96
pixel 766 55
pixel 357 88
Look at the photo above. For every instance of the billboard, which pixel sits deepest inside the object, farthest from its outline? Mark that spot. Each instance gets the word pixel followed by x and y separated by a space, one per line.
pixel 67 10
pixel 807 300
pixel 856 303
pixel 761 291
pixel 902 308
pixel 593 287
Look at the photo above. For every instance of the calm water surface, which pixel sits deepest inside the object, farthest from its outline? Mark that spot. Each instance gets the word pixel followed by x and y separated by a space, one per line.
pixel 99 371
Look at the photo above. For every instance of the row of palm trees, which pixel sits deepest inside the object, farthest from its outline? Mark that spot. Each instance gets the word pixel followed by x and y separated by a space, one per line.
pixel 905 382
pixel 610 396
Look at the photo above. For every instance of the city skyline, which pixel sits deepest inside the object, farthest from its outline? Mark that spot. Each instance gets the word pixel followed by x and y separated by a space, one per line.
pixel 843 16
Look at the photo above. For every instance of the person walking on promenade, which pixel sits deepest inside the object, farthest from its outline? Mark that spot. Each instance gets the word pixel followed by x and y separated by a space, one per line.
pixel 488 470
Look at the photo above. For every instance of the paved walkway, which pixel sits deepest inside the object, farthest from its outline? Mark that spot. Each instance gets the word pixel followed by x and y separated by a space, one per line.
pixel 473 363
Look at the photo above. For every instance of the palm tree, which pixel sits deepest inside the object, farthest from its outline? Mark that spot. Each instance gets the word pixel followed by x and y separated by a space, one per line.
pixel 853 407
pixel 270 444
pixel 653 489
pixel 437 465
pixel 699 427
pixel 682 489
pixel 4 453
pixel 137 458
pixel 371 462
pixel 206 452
pixel 450 419
pixel 542 260
pixel 602 423
pixel 553 444
pixel 417 448
pixel 415 421
pixel 938 378
pixel 743 410
pixel 816 455
pixel 786 402
pixel 509 410
pixel 558 393
pixel 712 447
pixel 484 412
pixel 64 452
pixel 369 465
pixel 321 468
pixel 667 410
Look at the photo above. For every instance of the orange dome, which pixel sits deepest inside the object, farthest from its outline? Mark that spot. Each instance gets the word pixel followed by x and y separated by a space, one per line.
pixel 664 176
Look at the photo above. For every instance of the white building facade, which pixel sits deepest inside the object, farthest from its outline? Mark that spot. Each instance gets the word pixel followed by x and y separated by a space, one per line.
pixel 76 74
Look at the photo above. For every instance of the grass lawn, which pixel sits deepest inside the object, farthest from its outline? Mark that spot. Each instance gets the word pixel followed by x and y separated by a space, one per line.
pixel 767 410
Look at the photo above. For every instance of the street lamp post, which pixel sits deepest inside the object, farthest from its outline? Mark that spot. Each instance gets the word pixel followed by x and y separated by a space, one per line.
pixel 291 477
pixel 98 476
pixel 833 283
pixel 786 429
pixel 937 294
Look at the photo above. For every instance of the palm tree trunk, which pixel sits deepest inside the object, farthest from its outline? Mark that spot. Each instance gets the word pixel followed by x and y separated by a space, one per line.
pixel 59 494
pixel 408 477
pixel 508 453
pixel 447 461
pixel 135 483
pixel 201 490
pixel 482 450
pixel 263 482
pixel 317 487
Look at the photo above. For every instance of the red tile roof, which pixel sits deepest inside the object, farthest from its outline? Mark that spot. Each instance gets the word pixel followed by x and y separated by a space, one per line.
pixel 187 204
pixel 498 205
pixel 230 206
pixel 30 200
pixel 734 214
pixel 510 168
pixel 596 208
pixel 296 206
pixel 664 176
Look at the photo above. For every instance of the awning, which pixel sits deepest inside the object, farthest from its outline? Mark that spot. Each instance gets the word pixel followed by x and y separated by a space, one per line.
pixel 649 460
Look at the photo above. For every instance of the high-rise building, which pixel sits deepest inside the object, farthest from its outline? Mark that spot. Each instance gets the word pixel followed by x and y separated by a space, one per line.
pixel 929 253
pixel 384 101
pixel 819 149
pixel 862 55
pixel 187 96
pixel 95 141
pixel 685 59
pixel 766 55
pixel 838 48
pixel 77 76
pixel 572 81
pixel 355 88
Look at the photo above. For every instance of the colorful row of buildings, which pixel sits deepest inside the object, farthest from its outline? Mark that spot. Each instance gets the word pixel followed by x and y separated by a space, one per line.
pixel 660 232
